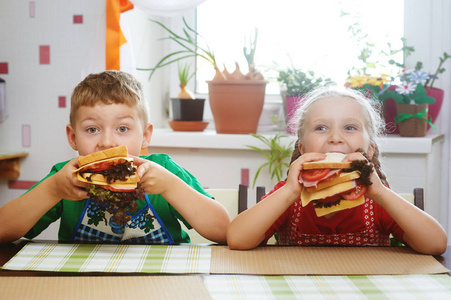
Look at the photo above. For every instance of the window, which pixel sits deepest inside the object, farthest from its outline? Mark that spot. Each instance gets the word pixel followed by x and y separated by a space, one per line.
pixel 310 35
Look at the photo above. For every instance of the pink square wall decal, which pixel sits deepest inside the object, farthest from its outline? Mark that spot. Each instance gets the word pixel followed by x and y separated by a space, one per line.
pixel 21 184
pixel 32 9
pixel 44 55
pixel 61 101
pixel 3 68
pixel 26 135
pixel 78 19
pixel 245 176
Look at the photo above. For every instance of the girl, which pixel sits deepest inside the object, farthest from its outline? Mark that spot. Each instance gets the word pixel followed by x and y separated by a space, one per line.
pixel 334 119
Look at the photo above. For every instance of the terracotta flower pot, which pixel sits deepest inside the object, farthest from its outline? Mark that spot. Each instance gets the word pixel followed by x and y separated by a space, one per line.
pixel 236 105
pixel 412 126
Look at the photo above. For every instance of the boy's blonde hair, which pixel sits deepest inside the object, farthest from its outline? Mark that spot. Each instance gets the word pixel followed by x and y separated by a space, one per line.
pixel 109 87
pixel 371 109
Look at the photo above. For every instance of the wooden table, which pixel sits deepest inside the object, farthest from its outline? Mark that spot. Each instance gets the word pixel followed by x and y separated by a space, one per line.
pixel 7 251
pixel 89 285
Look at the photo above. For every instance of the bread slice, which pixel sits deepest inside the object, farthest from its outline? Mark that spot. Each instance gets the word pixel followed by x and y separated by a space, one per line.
pixel 332 161
pixel 120 151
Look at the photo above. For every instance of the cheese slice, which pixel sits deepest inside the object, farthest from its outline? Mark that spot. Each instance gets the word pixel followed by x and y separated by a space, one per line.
pixel 344 204
pixel 307 197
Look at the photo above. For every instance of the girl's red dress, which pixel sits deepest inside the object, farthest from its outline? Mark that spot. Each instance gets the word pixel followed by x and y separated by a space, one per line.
pixel 365 225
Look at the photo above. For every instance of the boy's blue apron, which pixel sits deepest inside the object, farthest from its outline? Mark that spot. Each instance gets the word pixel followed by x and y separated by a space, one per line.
pixel 144 227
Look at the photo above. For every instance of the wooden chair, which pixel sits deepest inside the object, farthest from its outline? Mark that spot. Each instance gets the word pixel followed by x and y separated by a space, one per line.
pixel 234 200
pixel 417 198
pixel 260 193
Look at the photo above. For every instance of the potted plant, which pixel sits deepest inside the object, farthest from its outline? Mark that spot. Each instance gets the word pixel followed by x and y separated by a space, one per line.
pixel 408 87
pixel 411 100
pixel 236 99
pixel 187 111
pixel 295 84
pixel 276 157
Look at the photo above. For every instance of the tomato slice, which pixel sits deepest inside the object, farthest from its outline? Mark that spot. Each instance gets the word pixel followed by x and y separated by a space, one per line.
pixel 314 174
pixel 355 193
pixel 100 167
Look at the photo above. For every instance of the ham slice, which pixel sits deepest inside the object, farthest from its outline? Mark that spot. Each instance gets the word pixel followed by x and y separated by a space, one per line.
pixel 308 183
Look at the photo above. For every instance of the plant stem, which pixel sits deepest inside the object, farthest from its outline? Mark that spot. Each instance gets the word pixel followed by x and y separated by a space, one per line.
pixel 442 60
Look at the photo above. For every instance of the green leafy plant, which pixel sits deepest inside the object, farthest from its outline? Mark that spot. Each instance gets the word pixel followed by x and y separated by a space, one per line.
pixel 298 83
pixel 439 70
pixel 191 47
pixel 194 45
pixel 409 87
pixel 249 53
pixel 184 77
pixel 276 157
pixel 408 92
pixel 184 74
pixel 379 64
pixel 431 77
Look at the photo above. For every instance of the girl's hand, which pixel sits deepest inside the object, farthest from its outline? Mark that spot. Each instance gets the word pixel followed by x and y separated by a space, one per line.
pixel 295 169
pixel 65 184
pixel 377 186
pixel 421 231
pixel 154 179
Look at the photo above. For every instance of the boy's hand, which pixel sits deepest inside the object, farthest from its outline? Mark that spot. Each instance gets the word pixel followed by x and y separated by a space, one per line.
pixel 66 185
pixel 154 179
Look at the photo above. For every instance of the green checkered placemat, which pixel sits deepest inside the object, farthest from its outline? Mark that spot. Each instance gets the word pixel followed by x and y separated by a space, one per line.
pixel 329 287
pixel 112 258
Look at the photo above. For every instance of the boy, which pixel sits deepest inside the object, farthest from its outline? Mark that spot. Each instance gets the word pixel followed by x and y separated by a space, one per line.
pixel 108 110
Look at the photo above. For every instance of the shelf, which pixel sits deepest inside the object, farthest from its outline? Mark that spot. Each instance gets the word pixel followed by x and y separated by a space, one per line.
pixel 10 164
pixel 209 139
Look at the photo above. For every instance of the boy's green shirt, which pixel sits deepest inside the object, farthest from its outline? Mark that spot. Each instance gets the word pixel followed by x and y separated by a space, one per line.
pixel 70 211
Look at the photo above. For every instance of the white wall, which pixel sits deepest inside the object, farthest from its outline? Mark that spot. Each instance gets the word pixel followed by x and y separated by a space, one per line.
pixel 428 27
pixel 33 89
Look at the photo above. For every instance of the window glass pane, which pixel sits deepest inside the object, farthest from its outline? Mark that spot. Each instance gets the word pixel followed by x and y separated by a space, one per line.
pixel 312 35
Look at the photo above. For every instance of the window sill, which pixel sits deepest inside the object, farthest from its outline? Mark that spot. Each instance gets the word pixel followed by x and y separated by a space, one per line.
pixel 209 139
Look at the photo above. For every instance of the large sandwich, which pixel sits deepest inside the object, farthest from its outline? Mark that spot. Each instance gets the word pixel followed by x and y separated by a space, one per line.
pixel 333 185
pixel 113 179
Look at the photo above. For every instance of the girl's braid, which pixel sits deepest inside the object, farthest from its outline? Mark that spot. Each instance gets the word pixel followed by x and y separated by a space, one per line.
pixel 377 166
pixel 296 152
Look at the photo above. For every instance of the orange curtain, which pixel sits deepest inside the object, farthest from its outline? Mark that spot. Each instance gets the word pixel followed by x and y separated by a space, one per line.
pixel 114 37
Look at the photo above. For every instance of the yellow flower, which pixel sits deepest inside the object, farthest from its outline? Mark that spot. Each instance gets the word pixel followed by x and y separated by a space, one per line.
pixel 360 80
pixel 355 81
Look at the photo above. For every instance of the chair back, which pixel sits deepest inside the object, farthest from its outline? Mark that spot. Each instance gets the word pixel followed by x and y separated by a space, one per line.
pixel 234 201
pixel 416 198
